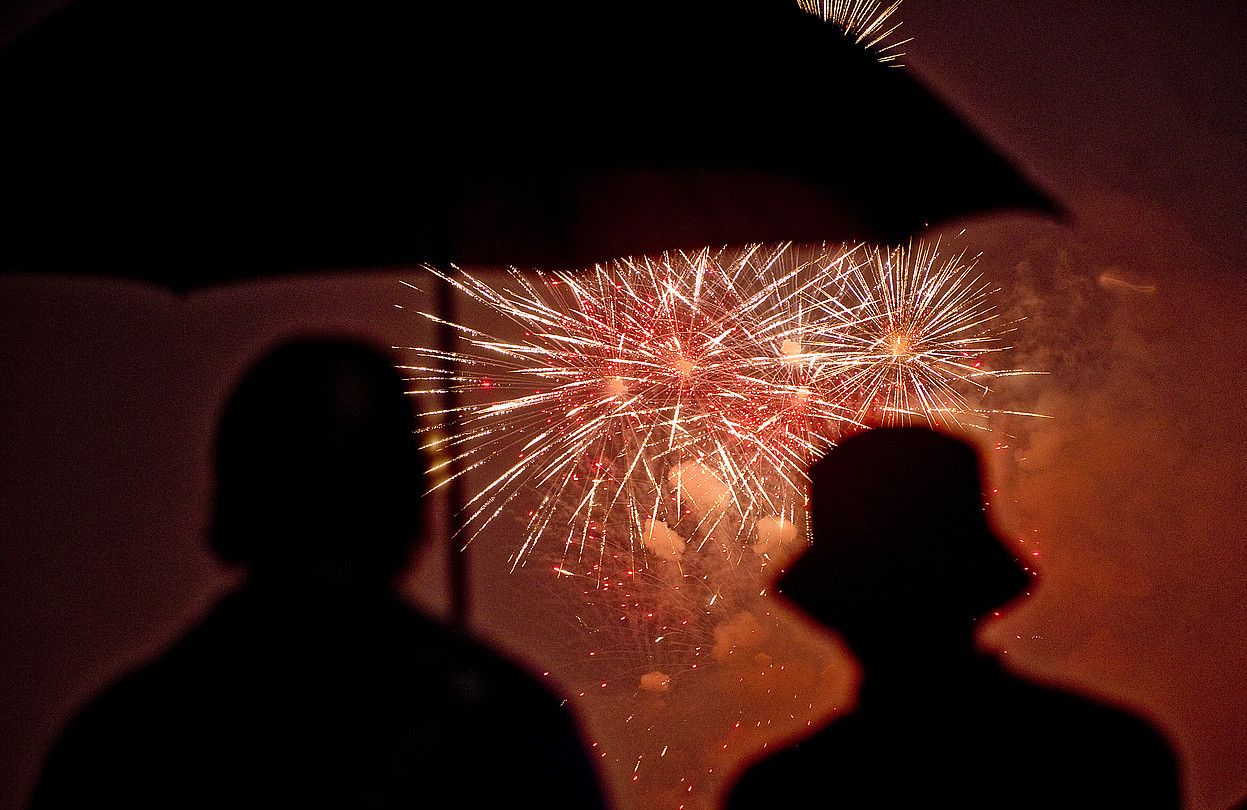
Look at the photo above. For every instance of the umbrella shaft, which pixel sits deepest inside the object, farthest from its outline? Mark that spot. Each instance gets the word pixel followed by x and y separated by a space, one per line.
pixel 457 559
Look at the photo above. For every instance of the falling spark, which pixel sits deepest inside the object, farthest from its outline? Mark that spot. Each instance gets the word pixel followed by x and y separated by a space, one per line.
pixel 866 22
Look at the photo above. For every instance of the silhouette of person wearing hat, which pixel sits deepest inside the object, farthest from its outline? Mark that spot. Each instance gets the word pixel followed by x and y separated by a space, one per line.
pixel 314 684
pixel 903 564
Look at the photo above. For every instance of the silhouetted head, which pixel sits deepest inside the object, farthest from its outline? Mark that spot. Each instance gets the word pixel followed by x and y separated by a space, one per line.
pixel 317 465
pixel 902 547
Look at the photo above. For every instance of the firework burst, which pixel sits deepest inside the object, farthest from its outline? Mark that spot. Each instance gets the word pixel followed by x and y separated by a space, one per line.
pixel 668 407
pixel 915 349
pixel 644 393
pixel 866 22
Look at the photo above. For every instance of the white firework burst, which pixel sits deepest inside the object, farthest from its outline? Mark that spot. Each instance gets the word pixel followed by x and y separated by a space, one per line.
pixel 665 406
pixel 869 23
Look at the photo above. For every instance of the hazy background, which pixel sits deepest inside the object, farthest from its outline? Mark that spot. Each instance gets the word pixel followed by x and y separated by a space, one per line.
pixel 1132 114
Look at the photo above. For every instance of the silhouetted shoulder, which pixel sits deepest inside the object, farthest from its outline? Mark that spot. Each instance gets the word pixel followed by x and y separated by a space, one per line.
pixel 1111 755
pixel 996 741
pixel 838 761
pixel 784 779
pixel 320 702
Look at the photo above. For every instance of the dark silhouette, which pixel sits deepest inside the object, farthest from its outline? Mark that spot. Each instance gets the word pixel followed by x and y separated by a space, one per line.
pixel 314 684
pixel 903 565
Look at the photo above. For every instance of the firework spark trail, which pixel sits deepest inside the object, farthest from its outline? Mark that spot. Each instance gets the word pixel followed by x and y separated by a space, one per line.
pixel 863 21
pixel 635 367
pixel 658 619
pixel 916 349
pixel 664 405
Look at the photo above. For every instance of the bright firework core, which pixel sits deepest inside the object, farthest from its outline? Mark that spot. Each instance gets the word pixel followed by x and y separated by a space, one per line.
pixel 900 345
pixel 657 410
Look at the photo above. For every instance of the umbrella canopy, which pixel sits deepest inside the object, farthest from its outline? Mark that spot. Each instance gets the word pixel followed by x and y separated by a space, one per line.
pixel 195 143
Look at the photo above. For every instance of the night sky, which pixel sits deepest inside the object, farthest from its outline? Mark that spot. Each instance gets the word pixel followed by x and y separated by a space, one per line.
pixel 1131 114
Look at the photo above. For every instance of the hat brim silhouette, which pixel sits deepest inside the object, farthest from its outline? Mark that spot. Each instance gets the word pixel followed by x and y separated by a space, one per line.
pixel 901 535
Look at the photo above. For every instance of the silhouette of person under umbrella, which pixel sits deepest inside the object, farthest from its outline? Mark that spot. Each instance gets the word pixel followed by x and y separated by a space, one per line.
pixel 903 565
pixel 314 684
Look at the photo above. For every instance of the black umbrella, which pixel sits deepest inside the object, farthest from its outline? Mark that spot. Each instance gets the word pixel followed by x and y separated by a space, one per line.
pixel 198 143
pixel 192 143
